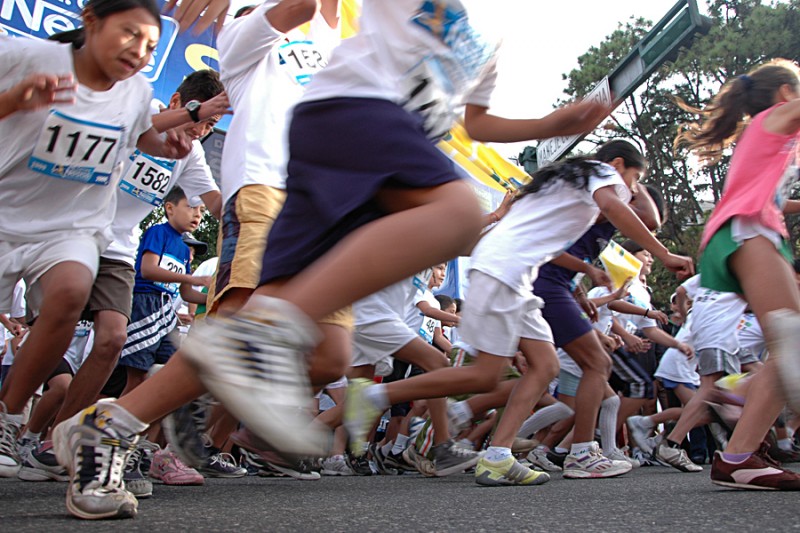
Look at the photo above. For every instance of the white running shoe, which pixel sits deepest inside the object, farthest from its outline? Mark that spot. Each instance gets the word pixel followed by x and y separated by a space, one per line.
pixel 336 466
pixel 594 465
pixel 676 458
pixel 255 364
pixel 9 454
pixel 618 455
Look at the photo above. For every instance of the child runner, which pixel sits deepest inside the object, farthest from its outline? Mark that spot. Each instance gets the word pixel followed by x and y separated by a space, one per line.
pixel 59 171
pixel 362 163
pixel 501 313
pixel 746 238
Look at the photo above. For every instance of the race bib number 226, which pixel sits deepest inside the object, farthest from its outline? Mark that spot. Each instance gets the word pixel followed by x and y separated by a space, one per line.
pixel 78 150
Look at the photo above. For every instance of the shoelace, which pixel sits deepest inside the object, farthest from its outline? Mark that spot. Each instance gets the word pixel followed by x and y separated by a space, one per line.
pixel 8 433
pixel 225 460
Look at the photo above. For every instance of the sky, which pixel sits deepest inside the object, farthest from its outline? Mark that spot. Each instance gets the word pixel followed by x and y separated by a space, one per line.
pixel 542 41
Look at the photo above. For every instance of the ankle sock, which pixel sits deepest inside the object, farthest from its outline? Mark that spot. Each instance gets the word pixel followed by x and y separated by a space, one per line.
pixel 579 449
pixel 736 458
pixel 495 454
pixel 400 444
pixel 377 396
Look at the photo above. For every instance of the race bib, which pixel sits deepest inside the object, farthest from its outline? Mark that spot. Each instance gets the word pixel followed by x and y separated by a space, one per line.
pixel 148 178
pixel 420 279
pixel 173 264
pixel 302 59
pixel 77 150
pixel 429 93
pixel 427 329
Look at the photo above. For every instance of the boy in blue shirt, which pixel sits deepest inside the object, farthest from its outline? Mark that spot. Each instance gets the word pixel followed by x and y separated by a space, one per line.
pixel 163 270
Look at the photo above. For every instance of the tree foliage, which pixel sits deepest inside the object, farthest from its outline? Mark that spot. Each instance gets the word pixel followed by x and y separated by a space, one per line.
pixel 745 33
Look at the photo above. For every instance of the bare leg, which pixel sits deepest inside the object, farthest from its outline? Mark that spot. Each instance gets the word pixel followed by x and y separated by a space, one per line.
pixel 65 289
pixel 778 290
pixel 596 365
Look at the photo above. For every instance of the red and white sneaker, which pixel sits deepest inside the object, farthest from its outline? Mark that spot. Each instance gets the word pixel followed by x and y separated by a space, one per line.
pixel 758 472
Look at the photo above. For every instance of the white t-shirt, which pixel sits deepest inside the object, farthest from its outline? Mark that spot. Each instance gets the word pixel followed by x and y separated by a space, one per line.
pixel 265 73
pixel 639 296
pixel 674 364
pixel 716 316
pixel 604 314
pixel 81 345
pixel 691 286
pixel 99 131
pixel 539 227
pixel 426 56
pixel 18 309
pixel 390 303
pixel 751 336
pixel 137 195
pixel 417 321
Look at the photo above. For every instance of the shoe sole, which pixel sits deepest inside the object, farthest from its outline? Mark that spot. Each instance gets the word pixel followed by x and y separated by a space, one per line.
pixel 641 445
pixel 740 486
pixel 35 474
pixel 583 474
pixel 311 476
pixel 485 481
pixel 333 473
pixel 784 326
pixel 283 427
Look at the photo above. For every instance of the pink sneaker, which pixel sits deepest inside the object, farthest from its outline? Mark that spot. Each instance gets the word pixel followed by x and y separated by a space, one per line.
pixel 170 470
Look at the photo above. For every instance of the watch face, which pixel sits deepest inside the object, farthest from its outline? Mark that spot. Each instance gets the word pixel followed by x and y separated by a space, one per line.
pixel 192 105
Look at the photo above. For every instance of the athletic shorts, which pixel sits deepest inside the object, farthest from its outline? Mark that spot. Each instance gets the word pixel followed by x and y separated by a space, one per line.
pixel 113 288
pixel 152 333
pixel 495 317
pixel 62 368
pixel 32 259
pixel 344 151
pixel 563 314
pixel 714 360
pixel 668 384
pixel 747 357
pixel 629 377
pixel 568 383
pixel 246 220
pixel 714 270
pixel 376 341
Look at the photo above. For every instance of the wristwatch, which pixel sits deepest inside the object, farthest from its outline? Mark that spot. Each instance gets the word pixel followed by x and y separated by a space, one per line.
pixel 193 107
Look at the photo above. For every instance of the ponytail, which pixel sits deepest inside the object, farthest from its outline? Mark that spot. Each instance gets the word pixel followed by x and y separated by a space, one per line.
pixel 722 120
pixel 576 171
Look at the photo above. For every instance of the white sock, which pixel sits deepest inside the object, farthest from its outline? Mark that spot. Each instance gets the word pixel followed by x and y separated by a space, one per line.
pixel 120 418
pixel 461 412
pixel 544 417
pixel 785 444
pixel 32 436
pixel 386 449
pixel 543 448
pixel 580 449
pixel 376 395
pixel 608 423
pixel 400 444
pixel 559 449
pixel 648 422
pixel 15 419
pixel 495 454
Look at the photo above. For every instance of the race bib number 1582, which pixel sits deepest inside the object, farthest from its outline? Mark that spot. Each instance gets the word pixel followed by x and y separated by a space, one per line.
pixel 78 150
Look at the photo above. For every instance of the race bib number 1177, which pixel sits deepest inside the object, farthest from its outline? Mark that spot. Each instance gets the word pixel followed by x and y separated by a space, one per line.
pixel 77 150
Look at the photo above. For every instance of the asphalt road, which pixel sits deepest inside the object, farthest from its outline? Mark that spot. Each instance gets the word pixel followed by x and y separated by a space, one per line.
pixel 647 499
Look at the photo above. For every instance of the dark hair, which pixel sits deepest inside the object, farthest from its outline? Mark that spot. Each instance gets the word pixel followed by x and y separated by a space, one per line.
pixel 459 302
pixel 102 9
pixel 722 120
pixel 631 246
pixel 444 300
pixel 658 199
pixel 201 86
pixel 797 266
pixel 174 197
pixel 242 11
pixel 577 170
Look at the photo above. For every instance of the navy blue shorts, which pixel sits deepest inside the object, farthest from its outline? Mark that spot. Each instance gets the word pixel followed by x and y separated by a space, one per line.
pixel 342 152
pixel 566 318
pixel 152 332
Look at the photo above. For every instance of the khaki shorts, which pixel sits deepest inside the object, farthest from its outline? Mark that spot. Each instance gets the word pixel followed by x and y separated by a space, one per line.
pixel 246 220
pixel 113 288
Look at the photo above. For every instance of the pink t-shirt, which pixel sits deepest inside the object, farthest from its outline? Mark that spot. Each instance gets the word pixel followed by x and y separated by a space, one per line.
pixel 761 165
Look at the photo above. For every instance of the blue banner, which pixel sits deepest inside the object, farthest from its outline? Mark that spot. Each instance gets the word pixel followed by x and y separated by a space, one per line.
pixel 176 56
